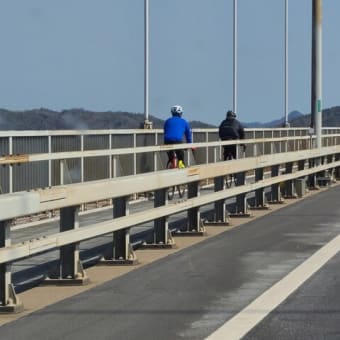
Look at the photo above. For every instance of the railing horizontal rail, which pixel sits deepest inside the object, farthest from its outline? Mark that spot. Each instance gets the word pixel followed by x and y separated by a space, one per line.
pixel 18 158
pixel 25 203
pixel 35 246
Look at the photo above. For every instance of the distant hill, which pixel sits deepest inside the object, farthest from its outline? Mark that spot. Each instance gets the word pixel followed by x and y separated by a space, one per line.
pixel 330 117
pixel 77 119
pixel 275 123
pixel 80 119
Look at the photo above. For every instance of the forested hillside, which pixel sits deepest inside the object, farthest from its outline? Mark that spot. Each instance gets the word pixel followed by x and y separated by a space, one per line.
pixel 76 119
pixel 79 119
pixel 330 117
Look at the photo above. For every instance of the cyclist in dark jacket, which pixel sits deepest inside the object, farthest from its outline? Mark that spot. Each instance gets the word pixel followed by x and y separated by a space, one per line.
pixel 175 128
pixel 230 129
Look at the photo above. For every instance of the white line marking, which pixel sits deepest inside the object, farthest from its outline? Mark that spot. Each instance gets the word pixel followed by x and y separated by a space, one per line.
pixel 239 325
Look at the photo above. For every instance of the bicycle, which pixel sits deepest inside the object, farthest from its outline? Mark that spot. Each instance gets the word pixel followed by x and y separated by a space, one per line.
pixel 230 178
pixel 173 164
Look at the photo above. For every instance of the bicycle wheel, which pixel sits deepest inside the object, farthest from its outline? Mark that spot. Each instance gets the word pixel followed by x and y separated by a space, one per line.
pixel 235 180
pixel 228 181
pixel 171 193
pixel 181 190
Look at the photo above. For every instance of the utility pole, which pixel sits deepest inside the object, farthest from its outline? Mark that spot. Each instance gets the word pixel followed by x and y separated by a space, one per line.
pixel 286 122
pixel 147 123
pixel 316 95
pixel 235 58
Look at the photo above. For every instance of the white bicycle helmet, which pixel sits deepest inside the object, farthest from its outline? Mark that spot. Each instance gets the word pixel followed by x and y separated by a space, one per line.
pixel 177 110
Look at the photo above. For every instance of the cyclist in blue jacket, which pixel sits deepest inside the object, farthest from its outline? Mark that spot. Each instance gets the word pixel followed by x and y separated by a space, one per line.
pixel 175 128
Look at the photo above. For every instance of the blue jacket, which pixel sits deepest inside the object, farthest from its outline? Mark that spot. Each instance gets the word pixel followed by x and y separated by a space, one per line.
pixel 174 129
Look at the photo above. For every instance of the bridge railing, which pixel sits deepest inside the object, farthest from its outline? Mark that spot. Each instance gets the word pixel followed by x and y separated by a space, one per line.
pixel 37 159
pixel 284 170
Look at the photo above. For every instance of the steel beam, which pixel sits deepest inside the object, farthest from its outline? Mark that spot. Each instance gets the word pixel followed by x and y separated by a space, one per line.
pixel 121 252
pixel 220 212
pixel 9 302
pixel 241 199
pixel 162 237
pixel 260 199
pixel 289 191
pixel 70 271
pixel 194 225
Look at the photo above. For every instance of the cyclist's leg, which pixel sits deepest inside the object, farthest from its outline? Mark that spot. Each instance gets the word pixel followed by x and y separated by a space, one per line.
pixel 228 152
pixel 181 165
pixel 170 165
pixel 225 152
pixel 171 156
pixel 172 159
pixel 228 155
pixel 180 158
pixel 233 151
pixel 234 156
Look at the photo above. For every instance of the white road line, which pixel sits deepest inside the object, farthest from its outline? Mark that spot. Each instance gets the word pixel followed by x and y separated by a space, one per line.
pixel 249 317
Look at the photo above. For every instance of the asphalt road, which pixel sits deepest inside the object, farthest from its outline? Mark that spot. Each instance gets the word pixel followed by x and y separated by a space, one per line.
pixel 190 294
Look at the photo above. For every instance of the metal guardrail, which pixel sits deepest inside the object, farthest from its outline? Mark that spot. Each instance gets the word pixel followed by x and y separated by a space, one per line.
pixel 68 198
pixel 123 153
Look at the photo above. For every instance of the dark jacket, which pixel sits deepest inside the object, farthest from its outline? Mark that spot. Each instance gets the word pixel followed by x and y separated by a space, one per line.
pixel 231 128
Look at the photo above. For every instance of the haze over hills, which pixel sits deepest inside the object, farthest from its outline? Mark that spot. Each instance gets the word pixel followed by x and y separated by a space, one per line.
pixel 80 119
pixel 77 119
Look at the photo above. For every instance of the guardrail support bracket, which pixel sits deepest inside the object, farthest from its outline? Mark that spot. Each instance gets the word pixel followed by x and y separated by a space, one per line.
pixel 12 304
pixel 70 271
pixel 121 252
pixel 162 237
pixel 9 302
pixel 79 279
pixel 195 225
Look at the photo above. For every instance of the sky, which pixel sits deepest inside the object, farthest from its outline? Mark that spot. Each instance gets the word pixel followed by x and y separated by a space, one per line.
pixel 90 54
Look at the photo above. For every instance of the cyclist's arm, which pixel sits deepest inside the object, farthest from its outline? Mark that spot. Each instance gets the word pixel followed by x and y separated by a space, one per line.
pixel 187 132
pixel 220 131
pixel 241 131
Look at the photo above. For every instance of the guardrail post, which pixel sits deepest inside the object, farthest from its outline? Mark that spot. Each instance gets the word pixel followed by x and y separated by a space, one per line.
pixel 260 198
pixel 275 188
pixel 312 182
pixel 331 172
pixel 337 169
pixel 162 237
pixel 289 191
pixel 121 253
pixel 70 271
pixel 300 183
pixel 194 223
pixel 220 211
pixel 220 206
pixel 241 208
pixel 241 200
pixel 9 302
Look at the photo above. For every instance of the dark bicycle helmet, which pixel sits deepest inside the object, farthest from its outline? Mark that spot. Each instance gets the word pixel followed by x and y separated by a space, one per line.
pixel 231 114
